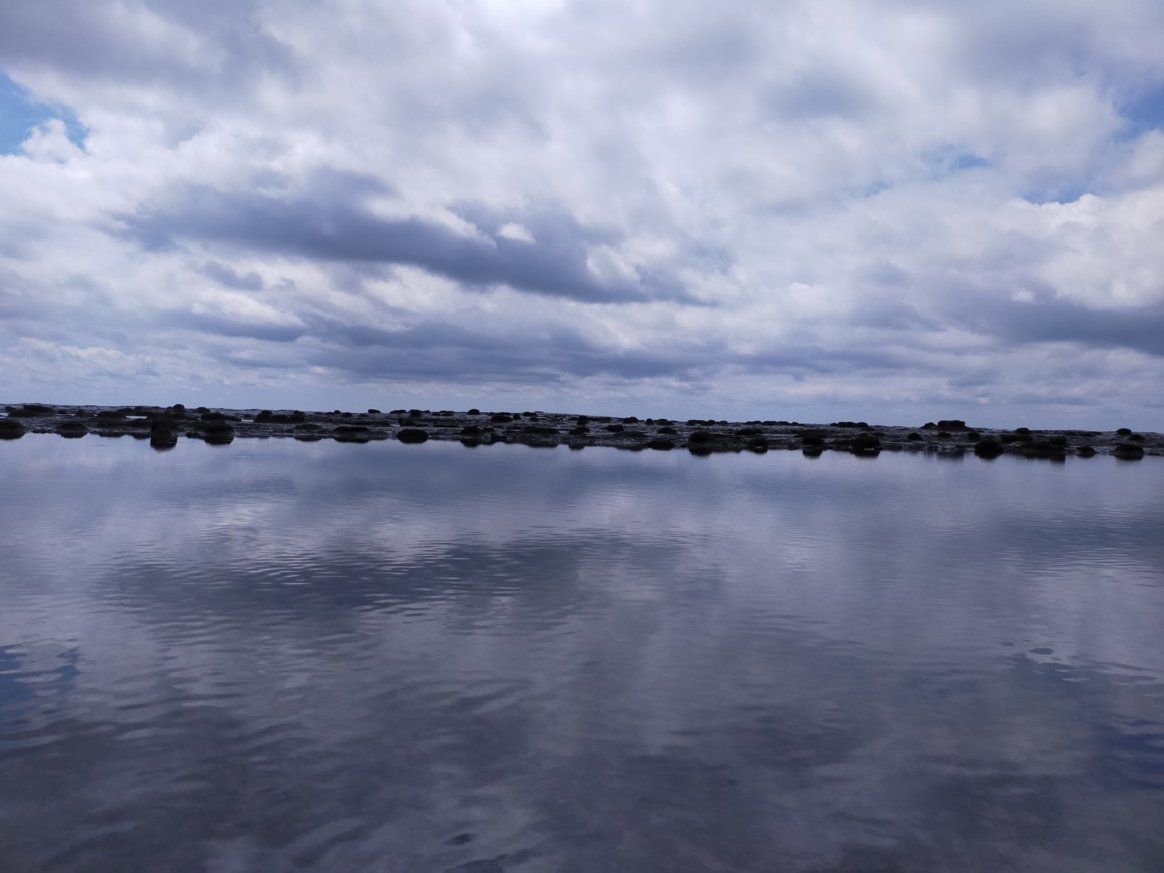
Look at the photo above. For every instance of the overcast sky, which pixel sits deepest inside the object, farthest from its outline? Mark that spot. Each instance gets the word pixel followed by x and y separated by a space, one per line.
pixel 891 210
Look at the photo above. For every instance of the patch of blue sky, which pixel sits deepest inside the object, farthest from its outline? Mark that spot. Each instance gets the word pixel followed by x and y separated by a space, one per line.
pixel 21 113
pixel 1143 112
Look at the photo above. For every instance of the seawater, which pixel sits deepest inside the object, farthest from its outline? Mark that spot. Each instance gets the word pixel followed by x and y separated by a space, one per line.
pixel 286 656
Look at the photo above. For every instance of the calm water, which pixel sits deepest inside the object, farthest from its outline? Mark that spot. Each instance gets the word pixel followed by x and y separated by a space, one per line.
pixel 278 655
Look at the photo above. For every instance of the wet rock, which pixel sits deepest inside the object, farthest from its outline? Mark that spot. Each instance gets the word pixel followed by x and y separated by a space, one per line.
pixel 812 451
pixel 265 416
pixel 308 427
pixel 217 432
pixel 865 445
pixel 1042 449
pixel 1085 452
pixel 30 410
pixel 162 437
pixel 11 429
pixel 758 444
pixel 951 424
pixel 72 429
pixel 615 428
pixel 989 447
pixel 500 418
pixel 473 411
pixel 667 429
pixel 1124 431
pixel 351 433
pixel 915 437
pixel 661 444
pixel 1128 452
pixel 412 435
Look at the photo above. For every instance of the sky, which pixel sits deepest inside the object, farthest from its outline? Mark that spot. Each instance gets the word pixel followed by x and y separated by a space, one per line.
pixel 890 211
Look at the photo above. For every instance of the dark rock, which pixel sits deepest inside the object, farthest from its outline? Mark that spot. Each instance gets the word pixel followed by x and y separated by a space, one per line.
pixel 309 427
pixel 163 438
pixel 217 432
pixel 667 429
pixel 1128 452
pixel 915 437
pixel 989 447
pixel 500 418
pixel 373 412
pixel 473 411
pixel 412 435
pixel 1023 431
pixel 929 425
pixel 470 430
pixel 759 445
pixel 663 445
pixel 630 419
pixel 1137 438
pixel 865 445
pixel 850 424
pixel 700 437
pixel 812 451
pixel 1124 431
pixel 1058 440
pixel 11 429
pixel 951 424
pixel 72 429
pixel 1042 449
pixel 615 428
pixel 1085 452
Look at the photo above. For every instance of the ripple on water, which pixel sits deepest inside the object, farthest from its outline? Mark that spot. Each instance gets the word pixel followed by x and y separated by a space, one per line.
pixel 289 657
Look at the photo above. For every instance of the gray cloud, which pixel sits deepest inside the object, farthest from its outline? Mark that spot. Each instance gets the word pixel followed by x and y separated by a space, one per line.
pixel 864 205
pixel 327 216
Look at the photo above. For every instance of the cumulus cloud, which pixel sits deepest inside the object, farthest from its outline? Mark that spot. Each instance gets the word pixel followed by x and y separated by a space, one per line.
pixel 890 209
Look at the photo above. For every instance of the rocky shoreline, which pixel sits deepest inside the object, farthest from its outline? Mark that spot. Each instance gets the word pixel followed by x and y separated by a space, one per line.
pixel 165 426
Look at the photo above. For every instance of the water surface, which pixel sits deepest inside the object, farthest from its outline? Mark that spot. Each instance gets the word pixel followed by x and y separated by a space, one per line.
pixel 278 655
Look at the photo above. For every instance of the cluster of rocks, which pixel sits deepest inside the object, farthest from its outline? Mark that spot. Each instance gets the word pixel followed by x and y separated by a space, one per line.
pixel 947 438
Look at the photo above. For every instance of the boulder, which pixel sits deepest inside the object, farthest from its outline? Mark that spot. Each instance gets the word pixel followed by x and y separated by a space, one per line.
pixel 72 429
pixel 989 447
pixel 866 445
pixel 1085 452
pixel 11 429
pixel 661 444
pixel 1128 452
pixel 412 435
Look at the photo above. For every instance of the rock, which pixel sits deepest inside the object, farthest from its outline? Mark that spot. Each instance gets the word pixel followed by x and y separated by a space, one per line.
pixel 412 435
pixel 1044 450
pixel 812 451
pixel 989 447
pixel 351 433
pixel 758 444
pixel 1128 452
pixel 373 412
pixel 217 432
pixel 500 418
pixel 915 437
pixel 865 445
pixel 951 424
pixel 72 429
pixel 163 438
pixel 660 444
pixel 615 428
pixel 473 411
pixel 309 427
pixel 11 429
pixel 1124 431
pixel 1085 452
pixel 667 429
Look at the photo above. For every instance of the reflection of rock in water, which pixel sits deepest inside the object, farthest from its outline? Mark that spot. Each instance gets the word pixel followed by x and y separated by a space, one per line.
pixel 947 437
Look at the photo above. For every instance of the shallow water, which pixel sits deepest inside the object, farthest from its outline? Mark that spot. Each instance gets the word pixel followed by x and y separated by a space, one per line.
pixel 277 655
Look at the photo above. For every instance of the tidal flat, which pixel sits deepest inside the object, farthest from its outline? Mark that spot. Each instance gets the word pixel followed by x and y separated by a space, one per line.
pixel 321 656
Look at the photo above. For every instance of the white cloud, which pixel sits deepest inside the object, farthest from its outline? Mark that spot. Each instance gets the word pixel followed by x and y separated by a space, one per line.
pixel 838 202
